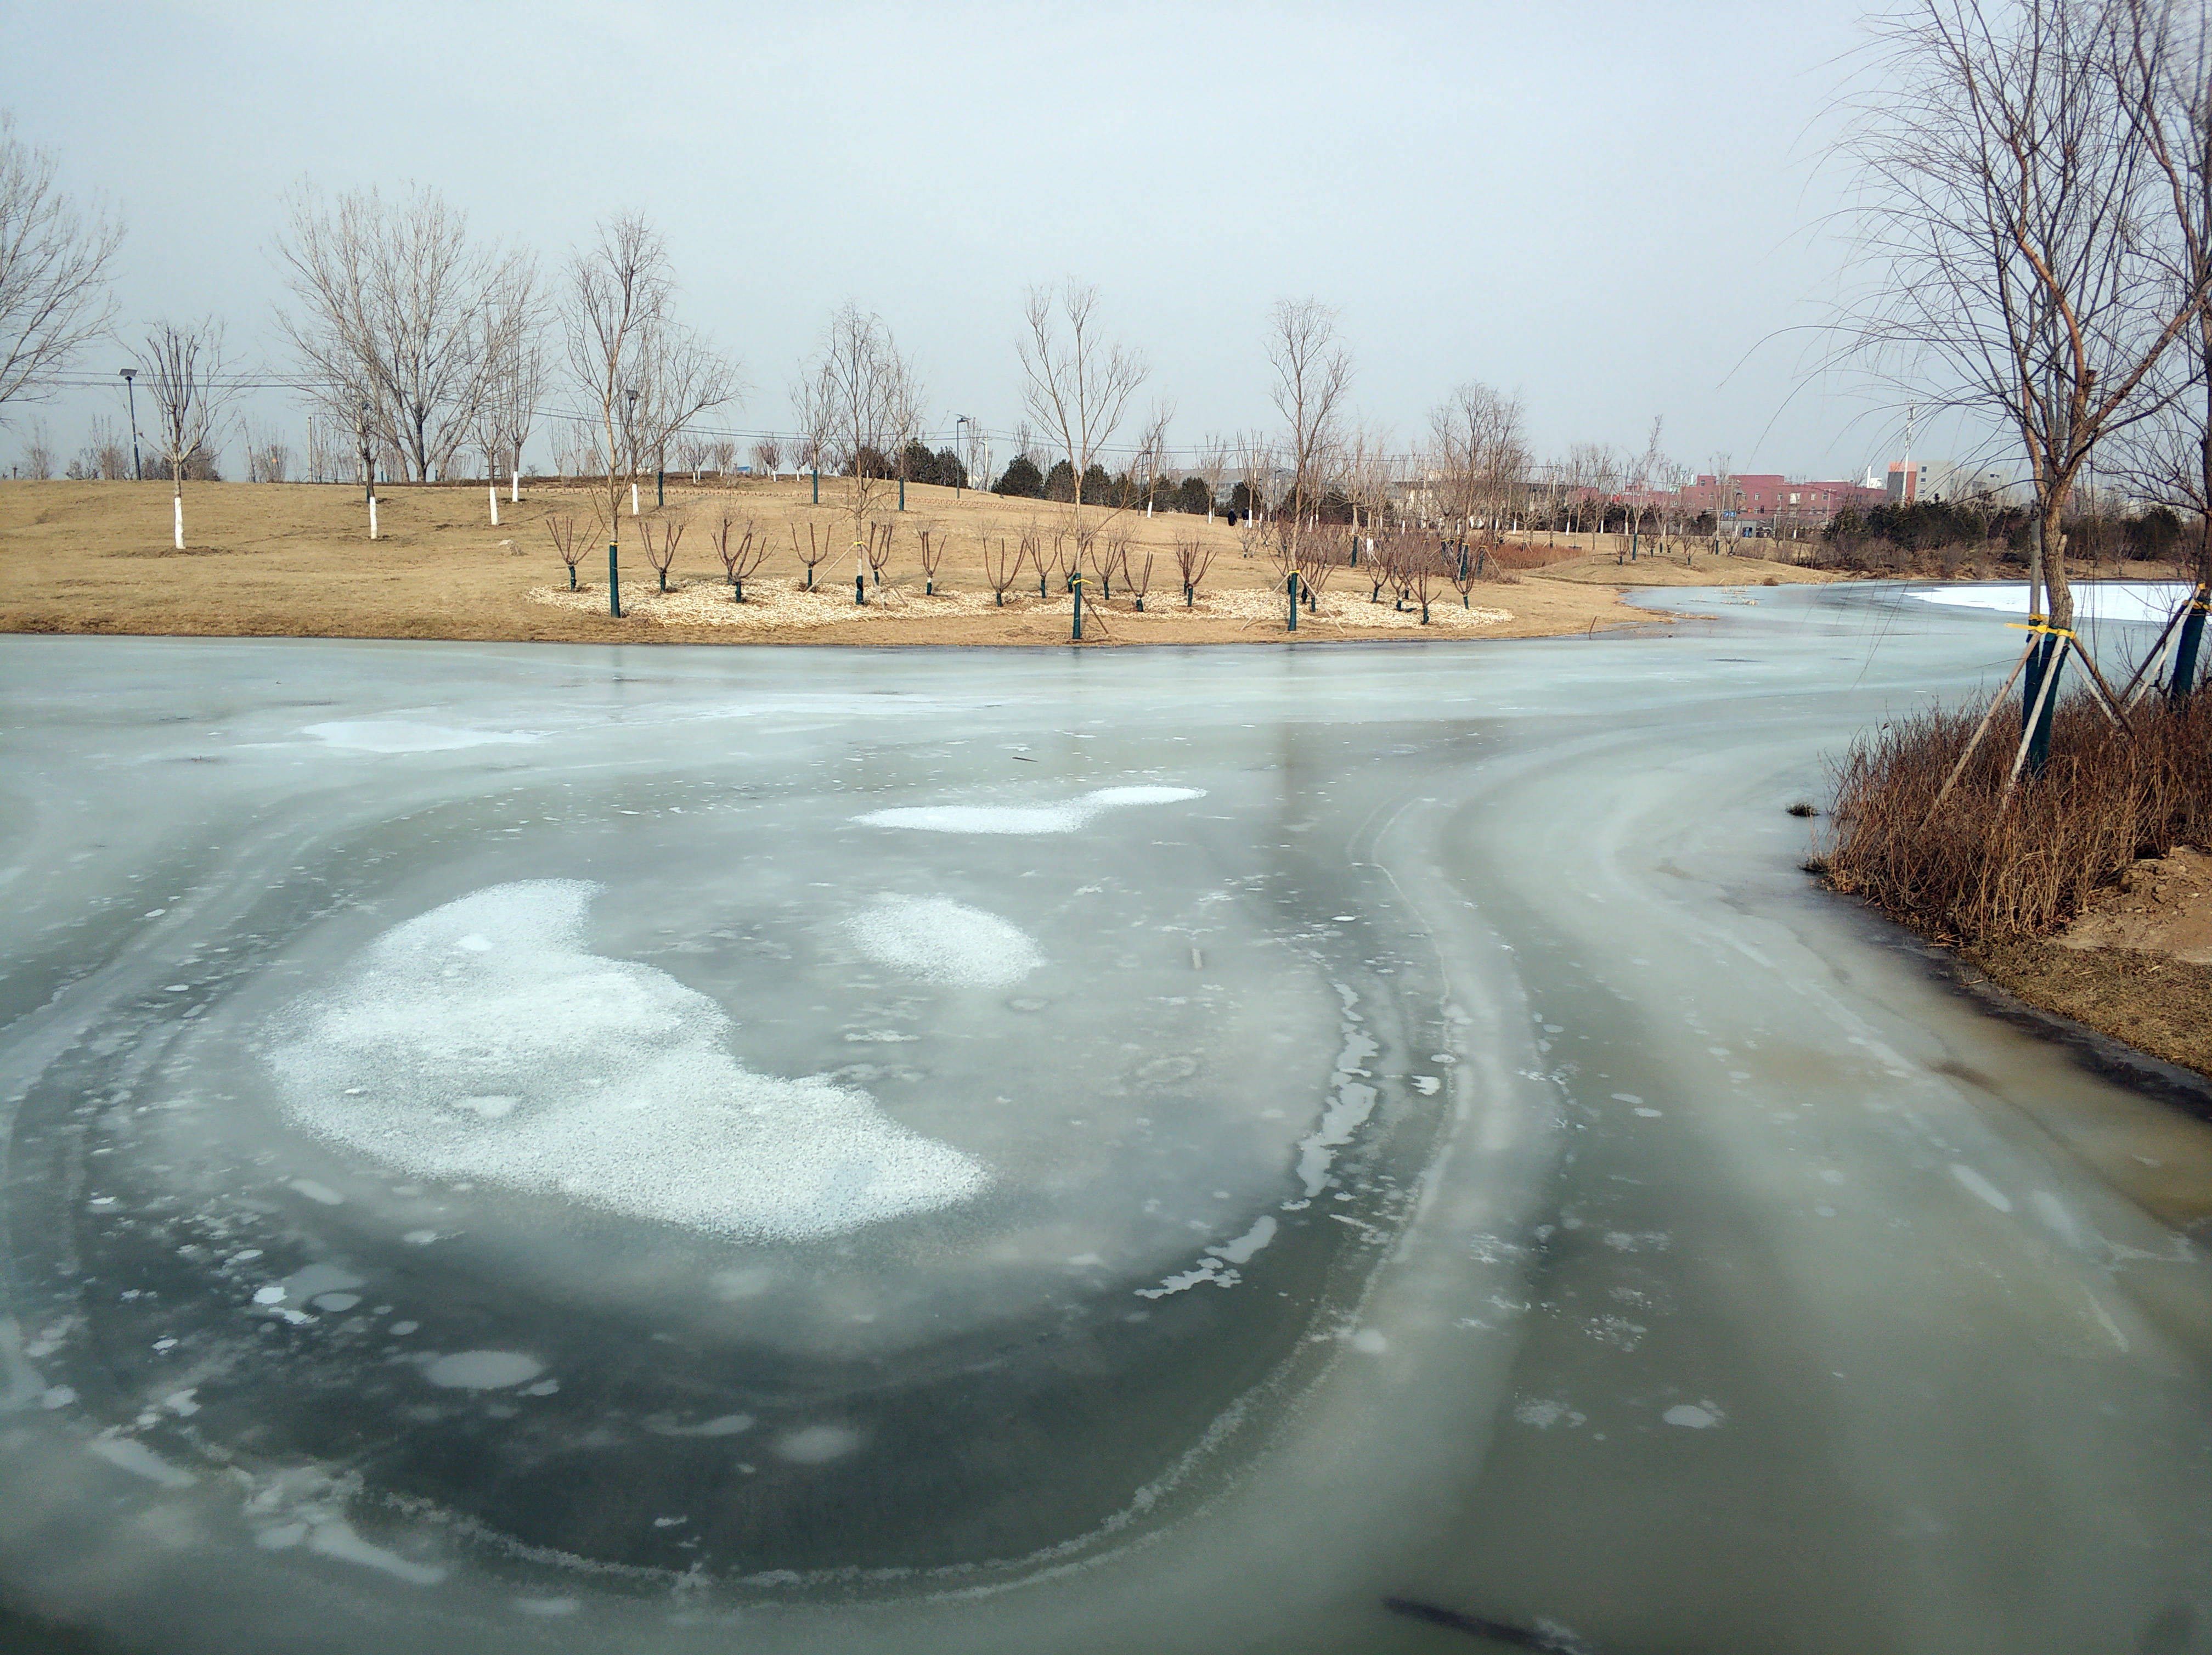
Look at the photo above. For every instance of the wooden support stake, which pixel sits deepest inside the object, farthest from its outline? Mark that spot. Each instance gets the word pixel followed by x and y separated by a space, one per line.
pixel 1980 730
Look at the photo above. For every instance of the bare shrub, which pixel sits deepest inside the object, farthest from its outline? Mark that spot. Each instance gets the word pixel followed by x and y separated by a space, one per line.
pixel 661 539
pixel 1136 567
pixel 931 555
pixel 1001 568
pixel 1990 865
pixel 568 543
pixel 819 542
pixel 742 549
pixel 1192 558
pixel 878 550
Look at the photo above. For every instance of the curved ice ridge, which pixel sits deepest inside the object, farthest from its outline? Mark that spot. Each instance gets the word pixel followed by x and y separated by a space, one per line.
pixel 1064 818
pixel 484 1041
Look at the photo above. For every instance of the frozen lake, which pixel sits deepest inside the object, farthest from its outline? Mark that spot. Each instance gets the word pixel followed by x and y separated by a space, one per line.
pixel 546 1148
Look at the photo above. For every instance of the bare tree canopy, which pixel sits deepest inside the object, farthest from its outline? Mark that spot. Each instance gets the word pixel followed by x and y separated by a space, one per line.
pixel 645 374
pixel 1480 455
pixel 1313 371
pixel 53 272
pixel 2008 196
pixel 1076 383
pixel 858 402
pixel 396 309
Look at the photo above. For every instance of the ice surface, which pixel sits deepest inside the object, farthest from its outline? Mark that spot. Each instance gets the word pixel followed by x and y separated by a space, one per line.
pixel 615 1085
pixel 1065 818
pixel 1237 1330
pixel 941 941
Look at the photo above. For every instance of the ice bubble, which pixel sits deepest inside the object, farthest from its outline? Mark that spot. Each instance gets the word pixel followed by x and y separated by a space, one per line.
pixel 1648 1114
pixel 1025 819
pixel 1370 1341
pixel 1691 1417
pixel 945 941
pixel 482 1369
pixel 726 1424
pixel 816 1445
pixel 335 1303
pixel 625 1096
pixel 403 1329
pixel 55 1396
pixel 1626 1098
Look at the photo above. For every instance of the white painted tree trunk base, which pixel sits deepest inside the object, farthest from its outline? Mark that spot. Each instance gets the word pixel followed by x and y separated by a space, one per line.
pixel 494 492
pixel 514 479
pixel 633 500
pixel 180 522
pixel 372 517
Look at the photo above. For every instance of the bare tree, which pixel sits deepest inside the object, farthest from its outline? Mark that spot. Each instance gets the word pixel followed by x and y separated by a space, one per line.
pixel 1000 569
pixel 1076 384
pixel 1477 451
pixel 768 454
pixel 53 273
pixel 935 544
pixel 395 307
pixel 1151 451
pixel 38 453
pixel 2005 186
pixel 2169 456
pixel 646 375
pixel 186 377
pixel 1313 370
pixel 853 400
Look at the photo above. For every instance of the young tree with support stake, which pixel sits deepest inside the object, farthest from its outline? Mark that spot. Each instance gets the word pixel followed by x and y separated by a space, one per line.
pixel 1076 383
pixel 184 374
pixel 2008 194
pixel 646 375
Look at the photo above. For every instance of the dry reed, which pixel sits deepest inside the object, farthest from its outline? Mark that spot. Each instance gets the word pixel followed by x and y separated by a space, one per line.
pixel 1988 867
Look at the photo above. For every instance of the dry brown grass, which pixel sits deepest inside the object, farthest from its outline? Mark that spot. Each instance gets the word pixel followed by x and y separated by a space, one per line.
pixel 295 560
pixel 1988 869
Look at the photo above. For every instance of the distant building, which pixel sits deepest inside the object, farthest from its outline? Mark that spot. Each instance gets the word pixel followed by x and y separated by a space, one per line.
pixel 1911 481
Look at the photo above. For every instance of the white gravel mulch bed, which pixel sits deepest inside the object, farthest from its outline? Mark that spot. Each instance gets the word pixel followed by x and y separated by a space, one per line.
pixel 778 605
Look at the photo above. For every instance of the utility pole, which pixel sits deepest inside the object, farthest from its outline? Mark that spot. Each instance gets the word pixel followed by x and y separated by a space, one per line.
pixel 131 386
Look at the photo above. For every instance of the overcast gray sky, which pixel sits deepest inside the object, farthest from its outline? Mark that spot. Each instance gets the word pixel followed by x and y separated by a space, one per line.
pixel 1606 207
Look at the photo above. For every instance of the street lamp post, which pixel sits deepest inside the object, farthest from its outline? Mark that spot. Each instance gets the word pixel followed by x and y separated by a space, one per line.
pixel 131 386
pixel 959 454
pixel 629 448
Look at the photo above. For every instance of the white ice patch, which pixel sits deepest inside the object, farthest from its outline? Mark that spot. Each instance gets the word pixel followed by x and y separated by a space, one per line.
pixel 945 941
pixel 335 1539
pixel 1025 819
pixel 400 736
pixel 1981 1187
pixel 623 1094
pixel 141 1462
pixel 818 1445
pixel 1239 1250
pixel 482 1369
pixel 2093 600
pixel 1691 1417
pixel 1341 1117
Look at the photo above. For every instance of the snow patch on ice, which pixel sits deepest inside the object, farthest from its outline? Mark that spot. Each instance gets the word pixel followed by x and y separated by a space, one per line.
pixel 1065 817
pixel 1239 1250
pixel 1691 1417
pixel 625 1096
pixel 2095 601
pixel 941 941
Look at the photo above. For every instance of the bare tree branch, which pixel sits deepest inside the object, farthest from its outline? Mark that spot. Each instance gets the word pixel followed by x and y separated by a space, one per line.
pixel 53 273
